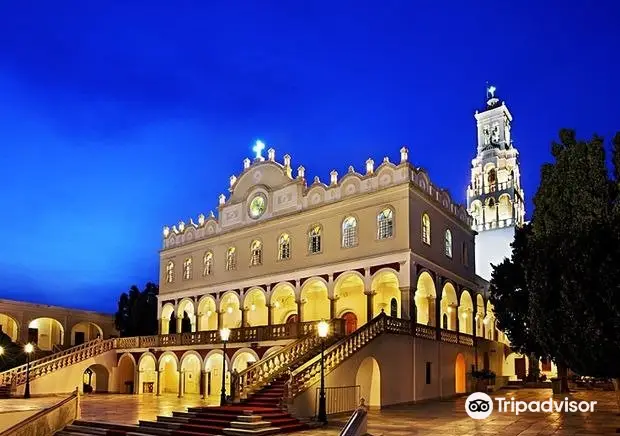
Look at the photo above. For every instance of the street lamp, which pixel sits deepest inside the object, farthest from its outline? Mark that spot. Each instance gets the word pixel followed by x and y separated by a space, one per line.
pixel 28 348
pixel 224 335
pixel 323 330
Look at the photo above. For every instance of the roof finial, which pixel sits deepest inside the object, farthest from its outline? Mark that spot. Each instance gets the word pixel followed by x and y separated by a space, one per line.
pixel 258 148
pixel 490 91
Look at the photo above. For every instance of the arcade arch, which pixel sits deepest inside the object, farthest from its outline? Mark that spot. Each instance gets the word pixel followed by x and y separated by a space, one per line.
pixel 85 331
pixel 368 378
pixel 243 358
pixel 213 374
pixel 207 314
pixel 230 310
pixel 9 326
pixel 449 306
pixel 191 364
pixel 316 305
pixel 126 374
pixel 386 294
pixel 46 333
pixel 460 376
pixel 147 374
pixel 283 303
pixel 169 374
pixel 425 296
pixel 255 303
pixel 465 312
pixel 186 313
pixel 95 379
pixel 168 319
pixel 350 299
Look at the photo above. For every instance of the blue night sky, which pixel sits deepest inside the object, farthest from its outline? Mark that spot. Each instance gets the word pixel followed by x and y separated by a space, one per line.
pixel 119 117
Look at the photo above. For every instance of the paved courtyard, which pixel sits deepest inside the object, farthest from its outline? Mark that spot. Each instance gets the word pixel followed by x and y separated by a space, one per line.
pixel 445 418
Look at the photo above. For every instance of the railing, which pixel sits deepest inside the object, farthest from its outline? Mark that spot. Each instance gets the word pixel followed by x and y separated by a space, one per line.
pixel 242 334
pixel 357 425
pixel 262 372
pixel 50 420
pixel 339 399
pixel 16 376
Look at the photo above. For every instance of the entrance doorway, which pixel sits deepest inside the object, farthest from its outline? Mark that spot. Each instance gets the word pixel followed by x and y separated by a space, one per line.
pixel 79 338
pixel 350 322
pixel 292 319
pixel 520 368
pixel 459 374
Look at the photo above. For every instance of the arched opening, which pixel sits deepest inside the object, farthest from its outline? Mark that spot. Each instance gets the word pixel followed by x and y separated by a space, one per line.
pixel 255 303
pixel 425 299
pixel 231 312
pixel 515 367
pixel 476 211
pixel 190 370
pixel 169 374
pixel 350 297
pixel 9 327
pixel 504 207
pixel 213 375
pixel 85 331
pixel 126 372
pixel 95 379
pixel 283 305
pixel 241 360
pixel 449 305
pixel 350 322
pixel 187 313
pixel 489 323
pixel 479 316
pixel 460 374
pixel 368 378
pixel 315 302
pixel 272 350
pixel 207 314
pixel 387 294
pixel 46 333
pixel 292 319
pixel 147 374
pixel 168 319
pixel 466 311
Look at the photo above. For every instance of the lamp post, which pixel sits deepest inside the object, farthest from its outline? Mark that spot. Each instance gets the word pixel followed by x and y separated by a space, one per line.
pixel 323 330
pixel 28 348
pixel 224 335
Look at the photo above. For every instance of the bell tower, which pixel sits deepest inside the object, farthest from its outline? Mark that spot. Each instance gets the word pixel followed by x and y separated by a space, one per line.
pixel 495 199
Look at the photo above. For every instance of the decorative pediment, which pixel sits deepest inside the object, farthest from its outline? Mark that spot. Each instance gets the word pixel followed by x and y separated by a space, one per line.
pixel 271 175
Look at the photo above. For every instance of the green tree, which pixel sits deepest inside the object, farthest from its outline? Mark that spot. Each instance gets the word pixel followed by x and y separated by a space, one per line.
pixel 570 261
pixel 137 311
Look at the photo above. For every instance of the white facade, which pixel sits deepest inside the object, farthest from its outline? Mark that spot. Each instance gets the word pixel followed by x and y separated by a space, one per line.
pixel 495 198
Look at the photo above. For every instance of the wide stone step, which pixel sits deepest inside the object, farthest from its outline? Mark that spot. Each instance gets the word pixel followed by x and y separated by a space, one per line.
pixel 250 432
pixel 85 429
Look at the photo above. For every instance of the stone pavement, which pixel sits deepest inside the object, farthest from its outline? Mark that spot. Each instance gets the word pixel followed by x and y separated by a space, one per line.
pixel 448 418
pixel 444 418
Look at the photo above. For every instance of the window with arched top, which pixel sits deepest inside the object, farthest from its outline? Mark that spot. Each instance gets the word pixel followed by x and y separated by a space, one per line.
pixel 349 232
pixel 284 247
pixel 187 269
pixel 426 229
pixel 385 224
pixel 492 179
pixel 314 239
pixel 170 272
pixel 448 243
pixel 231 259
pixel 207 264
pixel 256 253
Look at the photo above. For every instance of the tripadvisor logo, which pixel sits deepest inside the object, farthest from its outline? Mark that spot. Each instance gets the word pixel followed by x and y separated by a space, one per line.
pixel 480 406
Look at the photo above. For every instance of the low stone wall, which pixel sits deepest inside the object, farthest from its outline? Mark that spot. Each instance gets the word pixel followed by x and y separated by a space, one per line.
pixel 48 421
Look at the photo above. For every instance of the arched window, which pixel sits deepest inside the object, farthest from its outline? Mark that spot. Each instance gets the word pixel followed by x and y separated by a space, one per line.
pixel 444 324
pixel 349 232
pixel 207 264
pixel 448 242
pixel 314 240
pixel 492 180
pixel 231 259
pixel 284 247
pixel 256 253
pixel 426 229
pixel 170 272
pixel 385 224
pixel 393 308
pixel 187 269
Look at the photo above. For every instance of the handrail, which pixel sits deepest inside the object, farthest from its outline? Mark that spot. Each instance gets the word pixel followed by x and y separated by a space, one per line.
pixel 8 375
pixel 64 418
pixel 357 423
pixel 263 371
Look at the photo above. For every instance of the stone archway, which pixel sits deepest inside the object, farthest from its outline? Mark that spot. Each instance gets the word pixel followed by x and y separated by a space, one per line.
pixel 230 308
pixel 316 304
pixel 243 359
pixel 126 374
pixel 147 374
pixel 465 313
pixel 350 296
pixel 387 293
pixel 46 333
pixel 368 378
pixel 424 296
pixel 9 326
pixel 213 364
pixel 169 374
pixel 282 303
pixel 255 304
pixel 207 314
pixel 95 379
pixel 168 319
pixel 191 365
pixel 85 331
pixel 186 312
pixel 449 305
pixel 460 376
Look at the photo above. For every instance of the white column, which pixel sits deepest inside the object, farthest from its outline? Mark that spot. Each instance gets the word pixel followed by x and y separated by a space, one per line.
pixel 181 381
